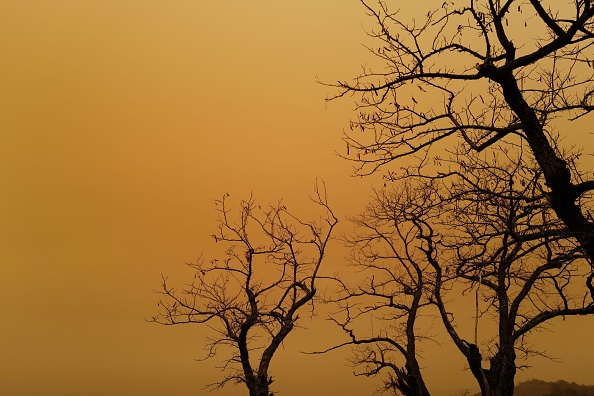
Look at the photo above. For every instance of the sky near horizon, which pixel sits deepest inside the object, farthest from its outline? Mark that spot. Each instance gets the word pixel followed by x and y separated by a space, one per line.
pixel 121 122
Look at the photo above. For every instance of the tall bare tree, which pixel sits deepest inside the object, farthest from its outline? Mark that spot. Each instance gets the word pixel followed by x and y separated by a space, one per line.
pixel 486 226
pixel 251 296
pixel 480 71
pixel 523 261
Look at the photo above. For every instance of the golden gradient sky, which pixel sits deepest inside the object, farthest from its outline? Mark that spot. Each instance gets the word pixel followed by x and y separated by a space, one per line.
pixel 120 123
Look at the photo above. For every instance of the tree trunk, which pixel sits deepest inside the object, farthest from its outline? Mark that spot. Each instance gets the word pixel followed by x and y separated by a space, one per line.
pixel 411 378
pixel 259 389
pixel 474 359
pixel 563 193
pixel 502 373
pixel 409 381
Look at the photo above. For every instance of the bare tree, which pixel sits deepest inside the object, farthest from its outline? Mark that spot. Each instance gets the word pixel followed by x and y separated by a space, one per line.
pixel 379 312
pixel 250 298
pixel 506 242
pixel 482 71
pixel 485 226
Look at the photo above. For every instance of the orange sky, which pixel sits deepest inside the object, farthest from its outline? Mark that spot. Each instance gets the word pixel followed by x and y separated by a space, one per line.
pixel 121 121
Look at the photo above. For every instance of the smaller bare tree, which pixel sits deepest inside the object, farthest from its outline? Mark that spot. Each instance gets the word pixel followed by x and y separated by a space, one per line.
pixel 380 312
pixel 251 297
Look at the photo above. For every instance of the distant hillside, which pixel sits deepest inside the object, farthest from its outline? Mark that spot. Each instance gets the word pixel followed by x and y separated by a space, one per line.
pixel 559 388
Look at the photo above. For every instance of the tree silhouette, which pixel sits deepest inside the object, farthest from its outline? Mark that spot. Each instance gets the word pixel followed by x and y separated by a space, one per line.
pixel 481 71
pixel 485 227
pixel 251 296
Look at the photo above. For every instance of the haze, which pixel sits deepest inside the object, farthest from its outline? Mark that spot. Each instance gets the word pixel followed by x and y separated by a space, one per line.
pixel 121 123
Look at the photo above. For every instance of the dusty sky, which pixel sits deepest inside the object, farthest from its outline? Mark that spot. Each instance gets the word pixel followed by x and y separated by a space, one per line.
pixel 120 123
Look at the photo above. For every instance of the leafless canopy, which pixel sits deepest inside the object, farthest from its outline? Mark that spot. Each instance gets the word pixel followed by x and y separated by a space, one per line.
pixel 482 71
pixel 484 229
pixel 251 296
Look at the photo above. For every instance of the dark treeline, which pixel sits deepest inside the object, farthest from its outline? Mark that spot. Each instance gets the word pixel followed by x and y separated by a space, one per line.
pixel 536 387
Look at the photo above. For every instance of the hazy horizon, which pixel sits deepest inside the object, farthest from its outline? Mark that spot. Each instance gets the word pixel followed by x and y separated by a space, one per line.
pixel 122 122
